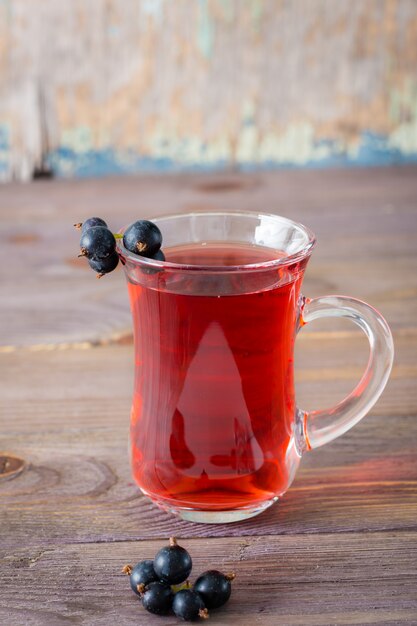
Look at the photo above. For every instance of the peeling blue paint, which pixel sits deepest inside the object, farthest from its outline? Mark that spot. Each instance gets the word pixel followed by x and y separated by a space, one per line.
pixel 372 150
pixel 113 30
pixel 207 84
pixel 4 137
pixel 4 150
pixel 256 9
pixel 228 10
pixel 99 163
pixel 205 30
pixel 153 8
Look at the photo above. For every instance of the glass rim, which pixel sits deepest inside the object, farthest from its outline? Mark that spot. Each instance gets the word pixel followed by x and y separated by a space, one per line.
pixel 295 257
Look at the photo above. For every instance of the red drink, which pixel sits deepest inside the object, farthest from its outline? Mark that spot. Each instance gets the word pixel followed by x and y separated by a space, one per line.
pixel 216 436
pixel 213 408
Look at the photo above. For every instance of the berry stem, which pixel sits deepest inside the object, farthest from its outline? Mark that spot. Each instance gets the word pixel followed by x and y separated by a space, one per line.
pixel 231 576
pixel 203 613
pixel 118 235
pixel 78 225
pixel 127 569
pixel 141 588
pixel 185 585
pixel 173 541
pixel 141 246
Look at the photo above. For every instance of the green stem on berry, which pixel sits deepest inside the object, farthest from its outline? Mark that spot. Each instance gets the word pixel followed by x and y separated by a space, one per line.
pixel 118 235
pixel 181 586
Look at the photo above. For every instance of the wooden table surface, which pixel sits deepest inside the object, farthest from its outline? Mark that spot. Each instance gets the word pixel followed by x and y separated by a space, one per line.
pixel 341 546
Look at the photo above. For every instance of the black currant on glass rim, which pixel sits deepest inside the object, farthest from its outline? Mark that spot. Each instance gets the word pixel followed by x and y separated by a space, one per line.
pixel 142 237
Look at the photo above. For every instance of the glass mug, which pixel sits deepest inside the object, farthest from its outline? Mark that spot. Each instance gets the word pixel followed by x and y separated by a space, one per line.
pixel 215 432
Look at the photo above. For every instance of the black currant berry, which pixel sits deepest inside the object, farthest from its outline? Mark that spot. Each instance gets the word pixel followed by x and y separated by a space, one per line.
pixel 97 242
pixel 104 266
pixel 92 221
pixel 143 238
pixel 156 598
pixel 158 256
pixel 214 588
pixel 142 574
pixel 172 564
pixel 189 606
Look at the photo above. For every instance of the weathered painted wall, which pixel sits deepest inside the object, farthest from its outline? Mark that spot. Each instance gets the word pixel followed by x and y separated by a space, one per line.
pixel 99 86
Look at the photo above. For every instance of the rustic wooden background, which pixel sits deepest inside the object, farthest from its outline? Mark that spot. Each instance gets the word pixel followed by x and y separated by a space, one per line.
pixel 341 546
pixel 112 86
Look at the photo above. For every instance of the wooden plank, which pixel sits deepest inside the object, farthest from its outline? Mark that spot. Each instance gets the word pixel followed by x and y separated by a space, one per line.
pixel 339 201
pixel 309 580
pixel 127 85
pixel 89 387
pixel 366 224
pixel 78 489
pixel 73 432
pixel 339 548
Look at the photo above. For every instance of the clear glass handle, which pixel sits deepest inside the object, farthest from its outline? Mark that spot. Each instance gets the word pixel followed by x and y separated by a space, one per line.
pixel 320 427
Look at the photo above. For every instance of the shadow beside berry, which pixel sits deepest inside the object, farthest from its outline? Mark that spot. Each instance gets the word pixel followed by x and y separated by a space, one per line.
pixel 158 256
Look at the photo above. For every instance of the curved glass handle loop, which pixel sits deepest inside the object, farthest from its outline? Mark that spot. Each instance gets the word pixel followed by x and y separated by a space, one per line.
pixel 320 427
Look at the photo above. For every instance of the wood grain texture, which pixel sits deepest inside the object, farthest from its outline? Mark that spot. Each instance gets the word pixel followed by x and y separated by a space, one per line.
pixel 339 548
pixel 365 222
pixel 73 432
pixel 309 580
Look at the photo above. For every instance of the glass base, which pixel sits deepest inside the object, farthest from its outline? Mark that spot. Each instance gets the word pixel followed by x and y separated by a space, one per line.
pixel 216 517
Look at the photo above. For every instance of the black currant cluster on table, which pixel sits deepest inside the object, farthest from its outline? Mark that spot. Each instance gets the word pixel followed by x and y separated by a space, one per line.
pixel 158 583
pixel 98 243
